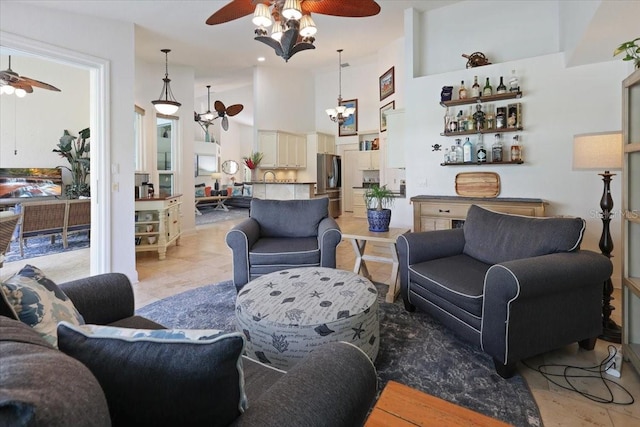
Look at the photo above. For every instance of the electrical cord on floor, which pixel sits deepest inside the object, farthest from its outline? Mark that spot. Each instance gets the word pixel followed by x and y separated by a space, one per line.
pixel 595 372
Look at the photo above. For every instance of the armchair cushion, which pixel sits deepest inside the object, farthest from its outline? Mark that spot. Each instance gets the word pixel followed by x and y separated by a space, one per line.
pixel 146 374
pixel 493 237
pixel 285 251
pixel 289 218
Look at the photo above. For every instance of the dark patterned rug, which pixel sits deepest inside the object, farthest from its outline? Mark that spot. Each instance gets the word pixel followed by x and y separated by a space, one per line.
pixel 210 215
pixel 40 246
pixel 415 350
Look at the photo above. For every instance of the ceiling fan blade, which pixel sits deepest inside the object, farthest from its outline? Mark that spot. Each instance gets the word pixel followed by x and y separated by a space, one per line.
pixel 22 85
pixel 234 109
pixel 351 8
pixel 234 10
pixel 219 106
pixel 225 123
pixel 39 84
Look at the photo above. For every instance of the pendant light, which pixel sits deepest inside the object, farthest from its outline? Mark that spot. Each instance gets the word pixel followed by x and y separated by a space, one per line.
pixel 208 115
pixel 340 113
pixel 167 105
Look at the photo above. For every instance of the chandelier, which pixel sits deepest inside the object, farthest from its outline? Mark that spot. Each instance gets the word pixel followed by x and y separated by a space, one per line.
pixel 292 30
pixel 167 105
pixel 340 113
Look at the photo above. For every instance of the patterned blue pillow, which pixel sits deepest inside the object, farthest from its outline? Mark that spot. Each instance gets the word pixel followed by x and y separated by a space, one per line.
pixel 247 190
pixel 38 302
pixel 237 190
pixel 162 377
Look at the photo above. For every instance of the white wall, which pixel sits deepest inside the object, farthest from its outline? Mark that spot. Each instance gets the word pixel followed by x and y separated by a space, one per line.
pixel 33 125
pixel 62 29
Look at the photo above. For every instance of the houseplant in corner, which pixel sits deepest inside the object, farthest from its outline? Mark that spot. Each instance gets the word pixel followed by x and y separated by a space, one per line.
pixel 76 151
pixel 378 201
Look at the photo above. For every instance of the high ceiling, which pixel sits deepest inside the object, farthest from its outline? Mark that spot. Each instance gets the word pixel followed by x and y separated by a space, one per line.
pixel 223 55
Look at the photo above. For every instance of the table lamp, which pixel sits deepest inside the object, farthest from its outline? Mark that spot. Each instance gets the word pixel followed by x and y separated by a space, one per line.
pixel 216 176
pixel 602 151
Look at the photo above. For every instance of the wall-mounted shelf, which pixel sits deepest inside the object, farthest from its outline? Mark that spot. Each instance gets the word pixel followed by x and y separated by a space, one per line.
pixel 474 132
pixel 519 162
pixel 481 99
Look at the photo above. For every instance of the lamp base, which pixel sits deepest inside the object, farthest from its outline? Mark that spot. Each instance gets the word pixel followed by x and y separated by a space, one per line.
pixel 611 332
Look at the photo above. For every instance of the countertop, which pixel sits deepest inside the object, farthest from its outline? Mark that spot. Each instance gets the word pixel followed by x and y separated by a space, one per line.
pixel 396 194
pixel 157 198
pixel 282 182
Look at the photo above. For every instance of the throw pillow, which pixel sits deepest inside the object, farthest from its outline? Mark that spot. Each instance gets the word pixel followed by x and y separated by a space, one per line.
pixel 207 191
pixel 237 190
pixel 162 377
pixel 247 190
pixel 199 192
pixel 38 302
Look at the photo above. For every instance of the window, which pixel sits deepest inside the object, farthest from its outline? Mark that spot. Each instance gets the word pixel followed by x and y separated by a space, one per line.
pixel 166 153
pixel 138 126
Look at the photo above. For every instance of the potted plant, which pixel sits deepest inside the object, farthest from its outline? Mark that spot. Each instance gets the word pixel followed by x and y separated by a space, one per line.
pixel 378 200
pixel 252 162
pixel 632 51
pixel 76 151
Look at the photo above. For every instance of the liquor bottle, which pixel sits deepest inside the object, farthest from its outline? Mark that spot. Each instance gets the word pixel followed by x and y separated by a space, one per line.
pixel 467 149
pixel 487 90
pixel 471 122
pixel 458 151
pixel 514 85
pixel 481 153
pixel 475 89
pixel 452 155
pixel 501 87
pixel 462 92
pixel 461 123
pixel 516 150
pixel 496 149
pixel 447 156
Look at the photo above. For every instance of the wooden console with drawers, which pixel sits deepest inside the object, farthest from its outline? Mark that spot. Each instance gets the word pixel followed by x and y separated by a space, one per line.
pixel 444 212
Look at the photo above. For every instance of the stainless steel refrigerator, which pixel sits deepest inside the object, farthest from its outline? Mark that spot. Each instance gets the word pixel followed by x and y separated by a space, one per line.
pixel 329 182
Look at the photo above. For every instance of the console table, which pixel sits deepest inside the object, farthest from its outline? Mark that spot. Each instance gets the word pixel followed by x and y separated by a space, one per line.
pixel 157 223
pixel 444 212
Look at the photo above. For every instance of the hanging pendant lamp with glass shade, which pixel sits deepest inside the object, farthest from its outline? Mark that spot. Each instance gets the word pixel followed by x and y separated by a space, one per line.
pixel 340 113
pixel 167 105
pixel 208 115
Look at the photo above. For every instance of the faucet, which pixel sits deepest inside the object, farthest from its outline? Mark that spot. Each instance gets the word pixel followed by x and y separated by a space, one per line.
pixel 264 176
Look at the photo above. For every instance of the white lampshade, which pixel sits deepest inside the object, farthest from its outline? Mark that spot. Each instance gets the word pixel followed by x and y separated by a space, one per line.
pixel 597 151
pixel 292 9
pixel 349 111
pixel 331 112
pixel 208 116
pixel 20 93
pixel 216 175
pixel 262 16
pixel 276 31
pixel 8 89
pixel 307 26
pixel 167 108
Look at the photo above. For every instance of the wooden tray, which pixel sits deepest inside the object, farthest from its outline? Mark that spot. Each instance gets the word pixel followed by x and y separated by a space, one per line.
pixel 478 184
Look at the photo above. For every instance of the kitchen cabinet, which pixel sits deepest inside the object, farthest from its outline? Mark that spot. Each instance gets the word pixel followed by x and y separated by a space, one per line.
pixel 369 160
pixel 631 219
pixel 359 206
pixel 321 143
pixel 282 150
pixel 444 212
pixel 395 139
pixel 157 224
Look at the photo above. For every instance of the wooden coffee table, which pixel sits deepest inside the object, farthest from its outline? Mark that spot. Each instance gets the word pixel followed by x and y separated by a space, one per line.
pixel 219 200
pixel 402 406
pixel 359 234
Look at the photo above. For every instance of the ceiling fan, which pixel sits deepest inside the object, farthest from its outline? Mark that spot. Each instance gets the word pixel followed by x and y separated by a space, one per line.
pixel 11 79
pixel 293 29
pixel 206 119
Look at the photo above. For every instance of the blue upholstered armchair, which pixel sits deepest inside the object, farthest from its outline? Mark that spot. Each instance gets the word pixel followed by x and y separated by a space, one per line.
pixel 515 286
pixel 281 234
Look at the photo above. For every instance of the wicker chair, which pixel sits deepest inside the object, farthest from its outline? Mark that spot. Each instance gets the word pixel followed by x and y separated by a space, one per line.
pixel 41 219
pixel 8 222
pixel 78 218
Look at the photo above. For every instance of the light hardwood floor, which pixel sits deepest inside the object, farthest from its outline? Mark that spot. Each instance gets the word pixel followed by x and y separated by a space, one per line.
pixel 203 258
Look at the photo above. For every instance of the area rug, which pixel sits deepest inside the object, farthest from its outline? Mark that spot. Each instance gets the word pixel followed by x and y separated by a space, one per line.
pixel 40 246
pixel 415 350
pixel 210 215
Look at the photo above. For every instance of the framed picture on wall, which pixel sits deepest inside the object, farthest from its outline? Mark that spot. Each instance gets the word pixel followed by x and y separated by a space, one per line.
pixel 383 117
pixel 350 126
pixel 387 83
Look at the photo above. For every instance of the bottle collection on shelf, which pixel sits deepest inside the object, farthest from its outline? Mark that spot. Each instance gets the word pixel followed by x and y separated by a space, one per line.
pixel 468 154
pixel 487 90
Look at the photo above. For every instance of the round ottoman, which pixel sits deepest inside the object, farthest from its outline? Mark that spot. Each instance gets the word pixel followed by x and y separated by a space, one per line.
pixel 287 314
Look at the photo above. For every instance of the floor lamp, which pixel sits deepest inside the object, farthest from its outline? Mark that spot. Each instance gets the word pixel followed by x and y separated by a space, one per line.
pixel 602 151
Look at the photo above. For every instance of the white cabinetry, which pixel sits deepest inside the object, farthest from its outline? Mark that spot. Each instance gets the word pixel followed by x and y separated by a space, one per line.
pixel 359 207
pixel 282 150
pixel 395 139
pixel 157 224
pixel 369 160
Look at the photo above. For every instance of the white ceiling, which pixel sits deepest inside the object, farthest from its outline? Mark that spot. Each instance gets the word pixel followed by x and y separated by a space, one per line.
pixel 223 55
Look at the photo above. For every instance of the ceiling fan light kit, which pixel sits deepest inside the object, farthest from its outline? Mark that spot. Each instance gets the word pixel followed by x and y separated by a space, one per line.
pixel 12 83
pixel 167 105
pixel 293 28
pixel 340 113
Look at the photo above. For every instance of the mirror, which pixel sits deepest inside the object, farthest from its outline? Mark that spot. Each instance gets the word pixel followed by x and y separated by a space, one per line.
pixel 230 167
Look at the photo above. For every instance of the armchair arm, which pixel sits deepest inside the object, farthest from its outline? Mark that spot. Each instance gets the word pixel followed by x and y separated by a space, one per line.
pixel 329 236
pixel 423 246
pixel 536 304
pixel 101 299
pixel 318 392
pixel 240 239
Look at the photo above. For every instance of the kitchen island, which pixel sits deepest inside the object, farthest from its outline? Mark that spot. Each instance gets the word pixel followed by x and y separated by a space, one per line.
pixel 283 190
